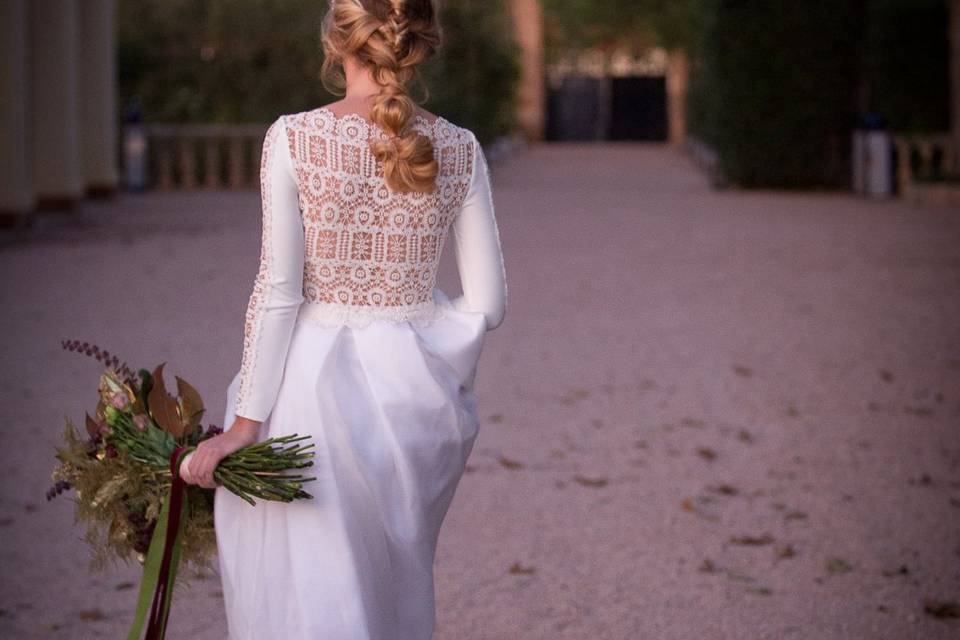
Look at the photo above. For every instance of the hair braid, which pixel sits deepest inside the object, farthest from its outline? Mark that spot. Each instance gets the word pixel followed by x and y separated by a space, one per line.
pixel 390 37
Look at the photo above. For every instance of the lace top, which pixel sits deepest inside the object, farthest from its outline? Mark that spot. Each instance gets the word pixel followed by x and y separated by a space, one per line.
pixel 340 248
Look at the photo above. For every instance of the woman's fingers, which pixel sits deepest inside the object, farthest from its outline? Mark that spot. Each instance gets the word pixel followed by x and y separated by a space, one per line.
pixel 202 467
pixel 198 467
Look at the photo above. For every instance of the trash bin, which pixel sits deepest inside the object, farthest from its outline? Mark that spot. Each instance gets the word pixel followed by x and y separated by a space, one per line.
pixel 872 158
pixel 134 148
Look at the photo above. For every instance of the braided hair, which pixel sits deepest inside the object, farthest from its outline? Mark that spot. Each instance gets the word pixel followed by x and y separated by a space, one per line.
pixel 389 37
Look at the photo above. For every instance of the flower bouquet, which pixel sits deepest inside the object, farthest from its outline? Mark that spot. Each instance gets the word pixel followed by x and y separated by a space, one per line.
pixel 125 473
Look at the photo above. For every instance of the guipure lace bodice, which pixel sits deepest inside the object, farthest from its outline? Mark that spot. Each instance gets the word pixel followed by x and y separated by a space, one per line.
pixel 371 253
pixel 340 248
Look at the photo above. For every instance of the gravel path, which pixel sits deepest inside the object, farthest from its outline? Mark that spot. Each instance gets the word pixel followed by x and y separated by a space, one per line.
pixel 707 415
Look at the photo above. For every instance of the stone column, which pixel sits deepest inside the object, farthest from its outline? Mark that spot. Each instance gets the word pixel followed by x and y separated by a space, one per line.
pixel 678 78
pixel 16 190
pixel 54 54
pixel 531 98
pixel 955 81
pixel 98 97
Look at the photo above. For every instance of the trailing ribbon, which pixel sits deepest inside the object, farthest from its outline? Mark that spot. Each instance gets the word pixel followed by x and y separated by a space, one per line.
pixel 163 558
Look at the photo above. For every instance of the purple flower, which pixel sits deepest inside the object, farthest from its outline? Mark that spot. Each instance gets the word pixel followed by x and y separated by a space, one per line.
pixel 120 400
pixel 141 421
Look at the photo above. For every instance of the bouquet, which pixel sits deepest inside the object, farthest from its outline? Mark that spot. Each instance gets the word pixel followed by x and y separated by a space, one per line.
pixel 125 474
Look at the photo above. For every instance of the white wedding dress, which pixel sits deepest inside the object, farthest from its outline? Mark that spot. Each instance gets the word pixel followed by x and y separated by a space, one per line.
pixel 348 339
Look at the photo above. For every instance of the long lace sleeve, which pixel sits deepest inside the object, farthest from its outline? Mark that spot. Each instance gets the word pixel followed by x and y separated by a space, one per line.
pixel 278 288
pixel 478 251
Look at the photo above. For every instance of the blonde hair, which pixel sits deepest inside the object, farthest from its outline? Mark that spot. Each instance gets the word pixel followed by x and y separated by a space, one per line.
pixel 389 37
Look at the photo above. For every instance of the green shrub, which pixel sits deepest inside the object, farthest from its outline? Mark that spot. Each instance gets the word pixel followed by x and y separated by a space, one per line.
pixel 250 60
pixel 776 92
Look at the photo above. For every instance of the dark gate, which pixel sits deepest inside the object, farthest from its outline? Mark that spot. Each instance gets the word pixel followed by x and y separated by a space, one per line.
pixel 638 108
pixel 612 108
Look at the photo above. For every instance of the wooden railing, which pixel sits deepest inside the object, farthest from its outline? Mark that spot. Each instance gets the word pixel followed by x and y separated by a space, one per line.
pixel 188 156
pixel 927 157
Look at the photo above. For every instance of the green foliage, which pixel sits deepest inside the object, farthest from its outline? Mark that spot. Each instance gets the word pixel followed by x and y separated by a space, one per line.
pixel 906 64
pixel 220 60
pixel 250 60
pixel 473 79
pixel 775 92
pixel 623 24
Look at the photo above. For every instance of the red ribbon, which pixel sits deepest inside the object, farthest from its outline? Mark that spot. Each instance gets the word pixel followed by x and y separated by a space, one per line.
pixel 156 625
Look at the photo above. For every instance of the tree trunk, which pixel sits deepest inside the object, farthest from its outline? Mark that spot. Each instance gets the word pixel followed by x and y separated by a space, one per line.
pixel 678 77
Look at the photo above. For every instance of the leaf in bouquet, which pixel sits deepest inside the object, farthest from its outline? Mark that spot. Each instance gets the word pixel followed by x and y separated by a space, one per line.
pixel 146 384
pixel 110 490
pixel 92 427
pixel 163 407
pixel 190 403
pixel 111 385
pixel 100 411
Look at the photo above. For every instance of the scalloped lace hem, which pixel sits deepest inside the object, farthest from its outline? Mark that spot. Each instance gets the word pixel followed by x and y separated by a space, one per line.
pixel 334 315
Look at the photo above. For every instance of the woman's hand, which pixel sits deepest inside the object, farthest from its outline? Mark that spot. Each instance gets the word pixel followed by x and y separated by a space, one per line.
pixel 198 466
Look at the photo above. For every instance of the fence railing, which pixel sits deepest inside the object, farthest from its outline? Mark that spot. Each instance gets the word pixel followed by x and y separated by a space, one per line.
pixel 189 156
pixel 923 158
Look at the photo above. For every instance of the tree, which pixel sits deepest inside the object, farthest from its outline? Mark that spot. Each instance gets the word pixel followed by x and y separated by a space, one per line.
pixel 251 60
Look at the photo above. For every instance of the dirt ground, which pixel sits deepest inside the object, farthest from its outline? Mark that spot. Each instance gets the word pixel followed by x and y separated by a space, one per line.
pixel 729 415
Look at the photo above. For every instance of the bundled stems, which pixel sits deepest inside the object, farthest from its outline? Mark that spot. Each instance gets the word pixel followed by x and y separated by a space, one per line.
pixel 255 471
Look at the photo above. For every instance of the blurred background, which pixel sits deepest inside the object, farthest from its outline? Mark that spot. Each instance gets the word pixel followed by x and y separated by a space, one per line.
pixel 724 401
pixel 855 95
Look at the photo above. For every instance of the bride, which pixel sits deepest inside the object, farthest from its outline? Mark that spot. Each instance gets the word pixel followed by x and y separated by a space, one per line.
pixel 348 339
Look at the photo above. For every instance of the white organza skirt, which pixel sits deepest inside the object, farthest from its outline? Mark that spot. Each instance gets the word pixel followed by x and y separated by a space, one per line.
pixel 393 415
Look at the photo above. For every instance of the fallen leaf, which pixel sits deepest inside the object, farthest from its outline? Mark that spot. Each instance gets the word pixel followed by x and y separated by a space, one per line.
pixel 706 453
pixel 838 565
pixel 92 614
pixel 123 586
pixel 786 551
pixel 941 608
pixel 508 463
pixel 886 376
pixel 517 569
pixel 752 540
pixel 725 489
pixel 687 505
pixel 495 417
pixel 707 566
pixel 742 371
pixel 901 571
pixel 571 397
pixel 744 436
pixel 590 482
pixel 795 515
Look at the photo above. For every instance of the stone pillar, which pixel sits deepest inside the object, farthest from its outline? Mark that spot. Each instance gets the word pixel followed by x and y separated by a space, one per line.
pixel 678 78
pixel 955 81
pixel 531 98
pixel 16 190
pixel 54 55
pixel 98 97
